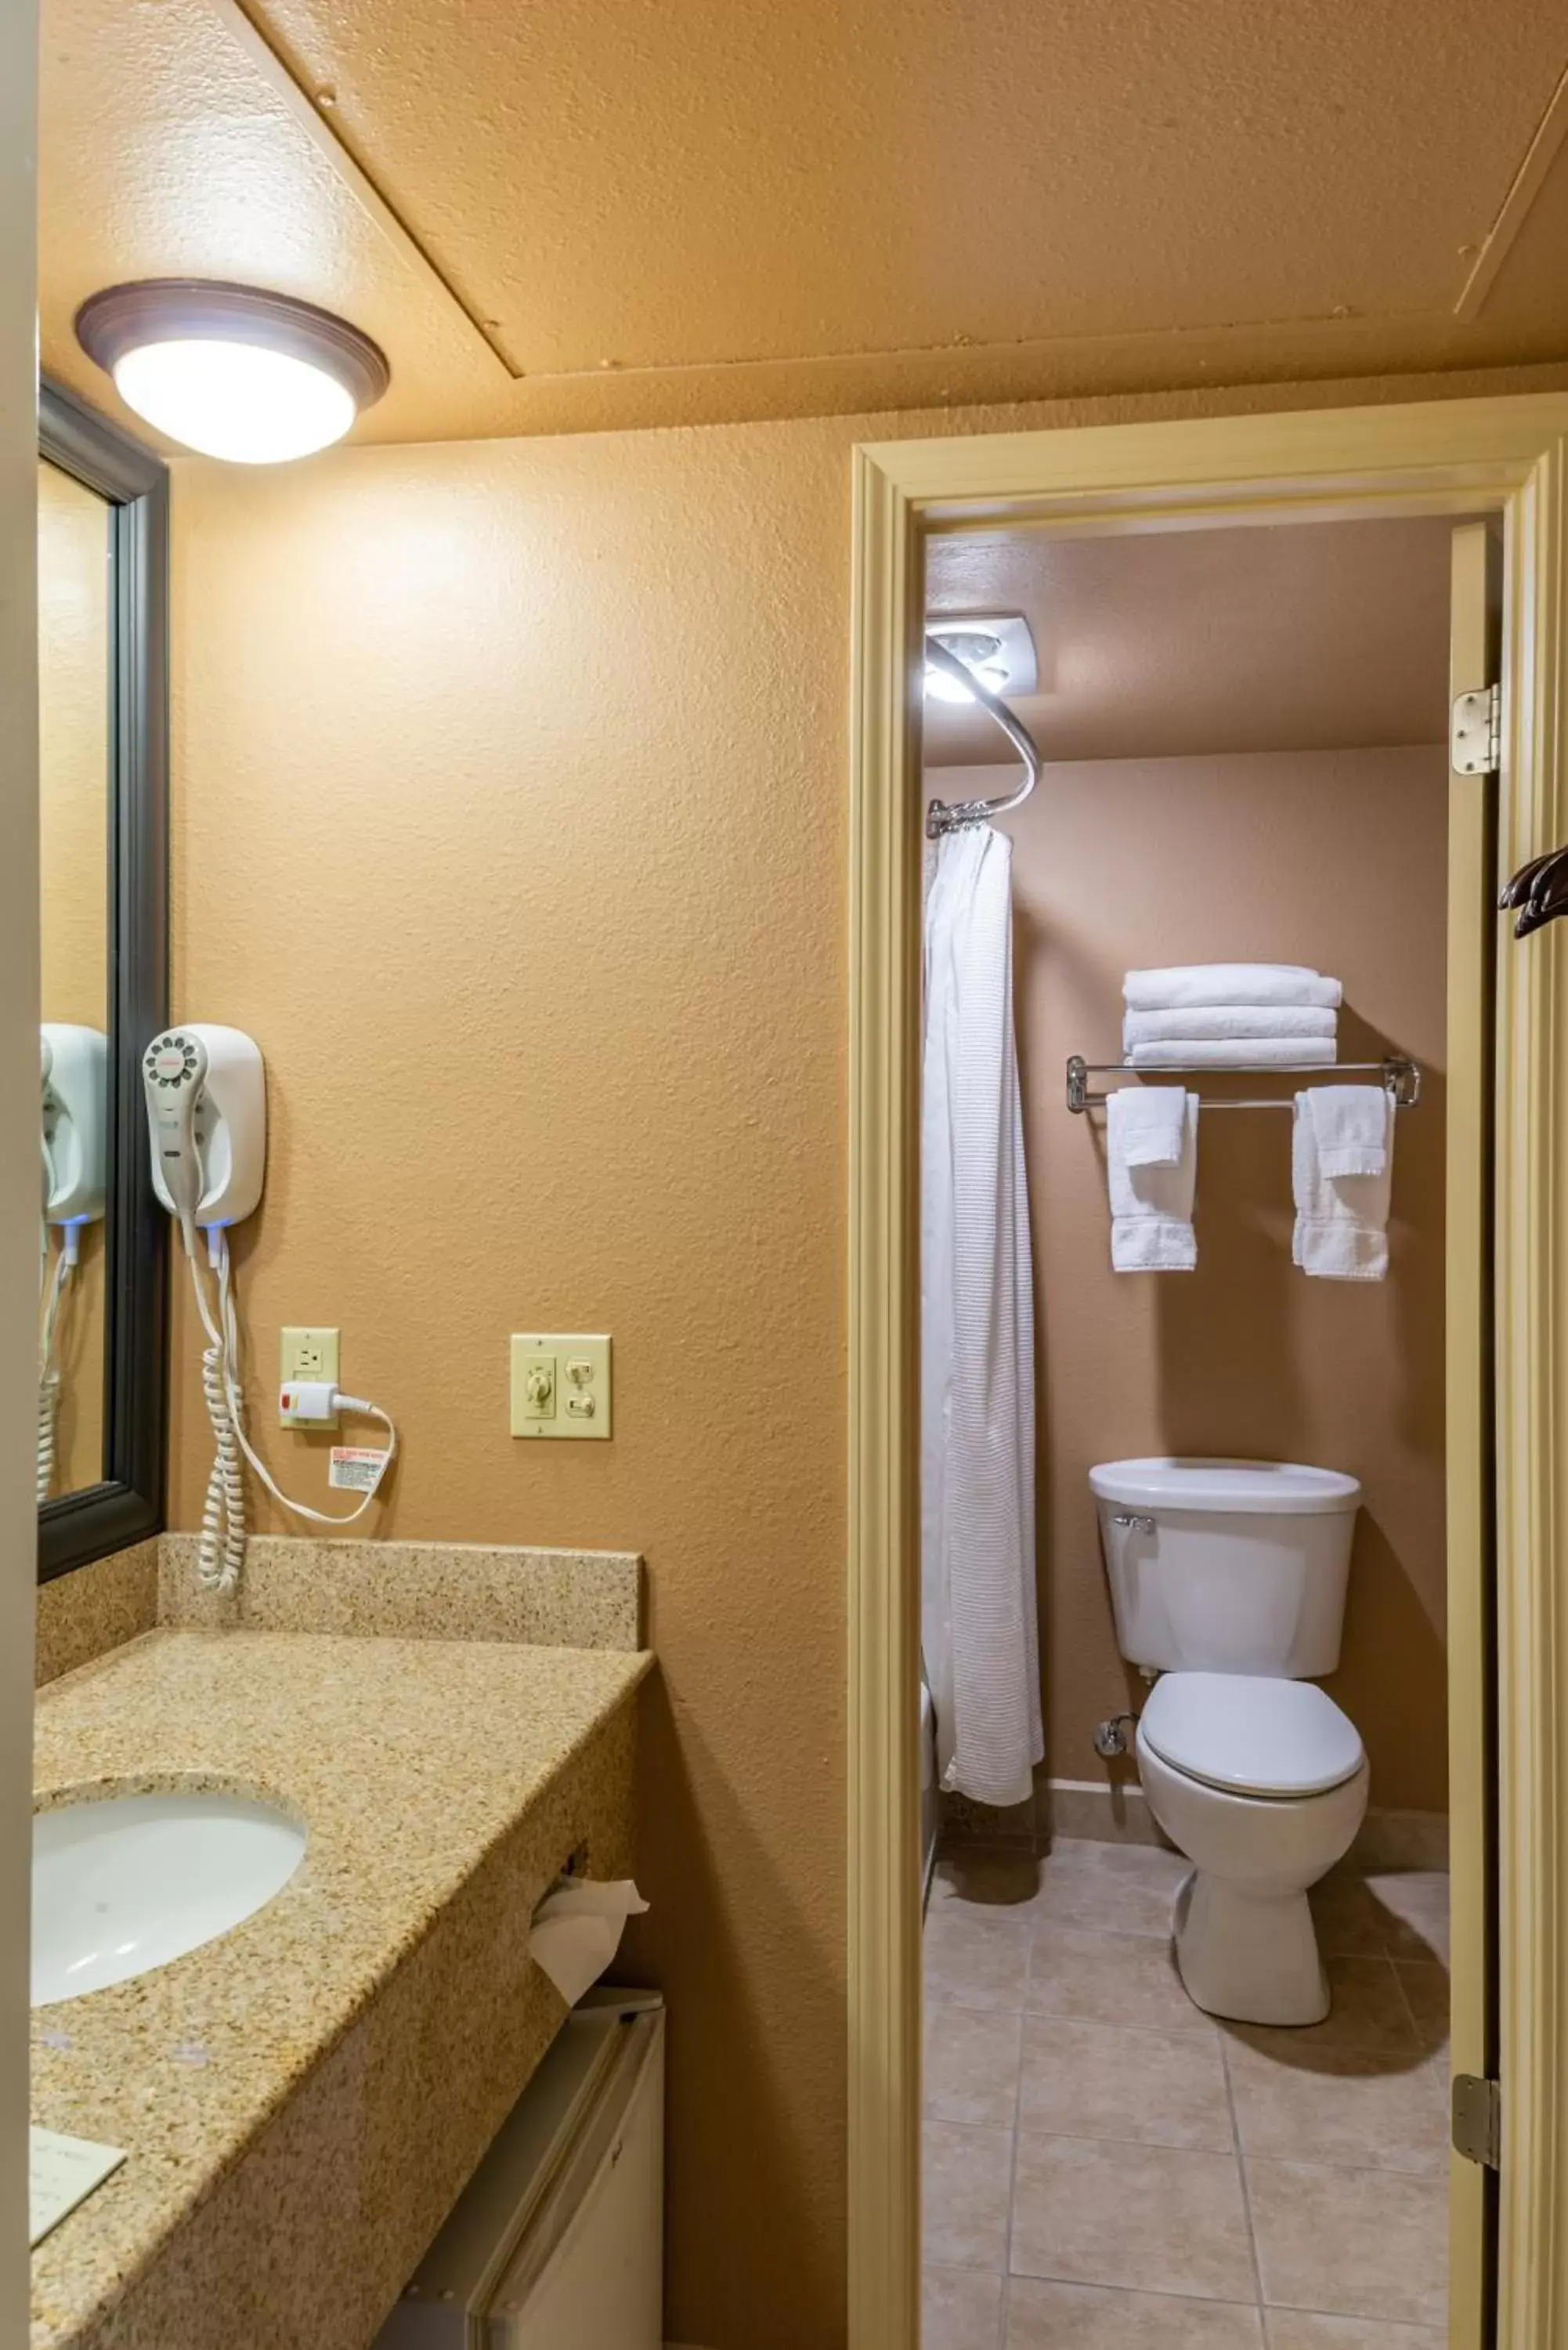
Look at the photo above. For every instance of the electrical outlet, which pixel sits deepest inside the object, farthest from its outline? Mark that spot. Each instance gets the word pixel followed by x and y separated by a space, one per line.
pixel 307 1355
pixel 560 1386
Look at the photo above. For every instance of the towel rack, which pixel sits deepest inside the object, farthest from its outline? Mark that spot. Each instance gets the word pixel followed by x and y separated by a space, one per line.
pixel 1401 1078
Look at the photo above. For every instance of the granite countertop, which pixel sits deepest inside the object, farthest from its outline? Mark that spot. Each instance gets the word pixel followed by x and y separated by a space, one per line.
pixel 411 1764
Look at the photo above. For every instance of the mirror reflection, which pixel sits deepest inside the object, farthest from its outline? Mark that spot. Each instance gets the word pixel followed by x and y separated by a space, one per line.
pixel 75 715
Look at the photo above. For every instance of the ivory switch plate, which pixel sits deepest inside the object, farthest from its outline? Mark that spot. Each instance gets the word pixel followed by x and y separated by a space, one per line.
pixel 560 1384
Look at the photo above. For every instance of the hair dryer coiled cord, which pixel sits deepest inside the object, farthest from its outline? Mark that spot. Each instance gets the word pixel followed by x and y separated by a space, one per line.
pixel 49 1411
pixel 49 1378
pixel 221 1549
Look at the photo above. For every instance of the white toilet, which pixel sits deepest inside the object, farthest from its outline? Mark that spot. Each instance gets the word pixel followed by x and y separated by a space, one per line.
pixel 1229 1577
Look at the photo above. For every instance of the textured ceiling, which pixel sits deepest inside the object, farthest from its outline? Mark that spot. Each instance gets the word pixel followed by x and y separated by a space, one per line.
pixel 584 212
pixel 1304 636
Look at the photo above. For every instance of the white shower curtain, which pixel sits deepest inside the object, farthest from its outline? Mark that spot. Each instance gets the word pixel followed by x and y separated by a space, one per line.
pixel 977 1336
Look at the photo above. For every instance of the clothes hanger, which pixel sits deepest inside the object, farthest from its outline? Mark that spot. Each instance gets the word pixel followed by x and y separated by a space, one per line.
pixel 1540 891
pixel 1543 907
pixel 1515 892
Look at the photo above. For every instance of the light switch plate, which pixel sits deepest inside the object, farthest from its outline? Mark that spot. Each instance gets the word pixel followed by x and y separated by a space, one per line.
pixel 560 1384
pixel 306 1353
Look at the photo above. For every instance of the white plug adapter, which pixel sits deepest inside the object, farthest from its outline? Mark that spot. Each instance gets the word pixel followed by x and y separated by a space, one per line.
pixel 309 1401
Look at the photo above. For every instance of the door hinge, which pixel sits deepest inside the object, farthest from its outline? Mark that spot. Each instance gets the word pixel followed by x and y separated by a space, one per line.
pixel 1478 2120
pixel 1475 732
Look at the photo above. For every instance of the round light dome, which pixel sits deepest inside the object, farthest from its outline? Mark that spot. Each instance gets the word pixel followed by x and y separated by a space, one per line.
pixel 230 370
pixel 977 651
pixel 942 686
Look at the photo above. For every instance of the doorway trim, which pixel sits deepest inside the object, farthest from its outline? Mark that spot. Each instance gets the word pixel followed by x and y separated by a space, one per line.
pixel 1506 456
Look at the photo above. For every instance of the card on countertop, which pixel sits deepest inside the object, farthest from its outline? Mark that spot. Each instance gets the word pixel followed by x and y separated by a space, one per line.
pixel 61 2173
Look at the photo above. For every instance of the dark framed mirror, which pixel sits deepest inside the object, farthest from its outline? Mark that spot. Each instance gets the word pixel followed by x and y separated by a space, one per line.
pixel 103 590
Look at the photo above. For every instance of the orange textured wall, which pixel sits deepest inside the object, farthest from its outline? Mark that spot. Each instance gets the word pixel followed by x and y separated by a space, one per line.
pixel 510 820
pixel 510 816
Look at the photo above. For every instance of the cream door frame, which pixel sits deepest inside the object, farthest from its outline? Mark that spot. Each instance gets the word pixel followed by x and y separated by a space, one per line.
pixel 1506 456
pixel 18 1130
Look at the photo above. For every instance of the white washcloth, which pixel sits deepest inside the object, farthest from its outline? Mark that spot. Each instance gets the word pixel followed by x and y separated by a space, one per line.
pixel 1342 1221
pixel 1352 1127
pixel 1151 1206
pixel 1149 1125
pixel 1212 1020
pixel 1237 1053
pixel 1229 982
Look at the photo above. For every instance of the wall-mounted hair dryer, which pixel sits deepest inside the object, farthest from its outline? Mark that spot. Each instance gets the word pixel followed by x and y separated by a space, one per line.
pixel 73 1132
pixel 206 1114
pixel 74 1105
pixel 207 1121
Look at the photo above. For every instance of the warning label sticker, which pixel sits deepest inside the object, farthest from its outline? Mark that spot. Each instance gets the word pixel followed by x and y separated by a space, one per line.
pixel 357 1466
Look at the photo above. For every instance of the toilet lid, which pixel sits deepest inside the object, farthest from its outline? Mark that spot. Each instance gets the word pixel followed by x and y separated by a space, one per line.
pixel 1275 1489
pixel 1249 1735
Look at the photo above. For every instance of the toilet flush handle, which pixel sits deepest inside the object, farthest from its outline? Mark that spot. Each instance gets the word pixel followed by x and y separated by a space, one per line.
pixel 1134 1522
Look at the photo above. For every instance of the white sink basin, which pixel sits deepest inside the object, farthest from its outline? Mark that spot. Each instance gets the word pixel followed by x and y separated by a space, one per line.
pixel 125 1885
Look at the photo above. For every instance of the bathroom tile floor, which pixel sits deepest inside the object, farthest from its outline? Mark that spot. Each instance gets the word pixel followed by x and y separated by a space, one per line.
pixel 1108 2169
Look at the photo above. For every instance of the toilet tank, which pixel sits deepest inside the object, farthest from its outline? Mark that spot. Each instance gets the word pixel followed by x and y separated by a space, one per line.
pixel 1227 1566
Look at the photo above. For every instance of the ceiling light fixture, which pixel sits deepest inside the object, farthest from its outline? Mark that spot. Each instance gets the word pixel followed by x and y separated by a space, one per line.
pixel 231 371
pixel 997 647
pixel 977 653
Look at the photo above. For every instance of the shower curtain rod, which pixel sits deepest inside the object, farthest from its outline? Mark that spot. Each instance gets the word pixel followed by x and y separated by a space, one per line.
pixel 949 816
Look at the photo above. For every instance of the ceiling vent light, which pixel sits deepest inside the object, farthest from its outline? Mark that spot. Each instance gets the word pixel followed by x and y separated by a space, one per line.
pixel 231 370
pixel 997 647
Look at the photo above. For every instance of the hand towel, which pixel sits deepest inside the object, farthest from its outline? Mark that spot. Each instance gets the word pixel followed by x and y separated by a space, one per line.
pixel 1236 1053
pixel 1195 1020
pixel 1148 1124
pixel 1342 1221
pixel 1229 982
pixel 1151 1206
pixel 1350 1125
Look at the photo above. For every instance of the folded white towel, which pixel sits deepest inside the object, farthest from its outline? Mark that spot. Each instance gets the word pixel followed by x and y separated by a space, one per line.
pixel 1342 1221
pixel 1148 1124
pixel 1151 1205
pixel 1350 1125
pixel 1228 1020
pixel 1229 982
pixel 1237 1053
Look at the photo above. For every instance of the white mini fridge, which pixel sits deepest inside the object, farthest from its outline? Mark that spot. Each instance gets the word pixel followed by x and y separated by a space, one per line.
pixel 557 2241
